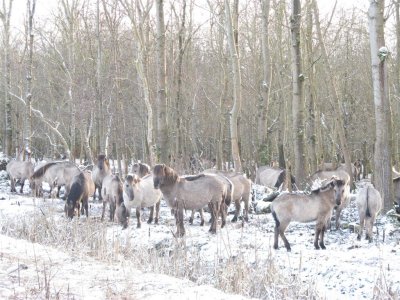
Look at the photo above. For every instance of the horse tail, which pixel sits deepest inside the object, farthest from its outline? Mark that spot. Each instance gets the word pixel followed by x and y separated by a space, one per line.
pixel 40 172
pixel 277 223
pixel 281 179
pixel 368 212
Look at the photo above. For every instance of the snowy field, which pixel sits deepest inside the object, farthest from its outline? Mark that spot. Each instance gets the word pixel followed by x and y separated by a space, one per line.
pixel 44 255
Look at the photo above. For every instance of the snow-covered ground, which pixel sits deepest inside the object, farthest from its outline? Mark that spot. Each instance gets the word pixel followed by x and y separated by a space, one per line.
pixel 134 258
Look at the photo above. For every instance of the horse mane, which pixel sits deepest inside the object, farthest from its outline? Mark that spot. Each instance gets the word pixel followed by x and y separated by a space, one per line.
pixel 193 177
pixel 40 172
pixel 144 168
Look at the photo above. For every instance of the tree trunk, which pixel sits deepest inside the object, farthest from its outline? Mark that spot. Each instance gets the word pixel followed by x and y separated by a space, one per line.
pixel 162 125
pixel 382 177
pixel 29 66
pixel 266 81
pixel 311 135
pixel 298 100
pixel 236 88
pixel 331 80
pixel 5 14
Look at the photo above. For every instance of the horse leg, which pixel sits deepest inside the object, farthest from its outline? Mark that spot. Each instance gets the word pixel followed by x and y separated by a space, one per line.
pixel 21 191
pixel 201 217
pixel 362 221
pixel 151 215
pixel 368 229
pixel 281 231
pixel 337 217
pixel 112 209
pixel 12 183
pixel 222 211
pixel 157 212
pixel 86 205
pixel 139 221
pixel 58 191
pixel 180 228
pixel 214 216
pixel 237 210
pixel 246 209
pixel 192 217
pixel 104 209
pixel 321 238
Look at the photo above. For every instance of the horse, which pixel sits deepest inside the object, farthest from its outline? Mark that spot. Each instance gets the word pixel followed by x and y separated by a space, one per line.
pixel 140 193
pixel 19 170
pixel 193 192
pixel 227 200
pixel 82 187
pixel 112 193
pixel 100 170
pixel 343 175
pixel 356 168
pixel 57 174
pixel 304 208
pixel 273 177
pixel 140 169
pixel 369 203
pixel 241 191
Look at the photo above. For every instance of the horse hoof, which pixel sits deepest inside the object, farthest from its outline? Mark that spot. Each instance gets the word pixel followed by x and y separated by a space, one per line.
pixel 234 219
pixel 149 221
pixel 191 221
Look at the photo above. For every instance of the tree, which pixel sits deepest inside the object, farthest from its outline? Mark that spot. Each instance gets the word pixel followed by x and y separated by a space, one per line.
pixel 29 65
pixel 383 144
pixel 298 99
pixel 5 15
pixel 332 84
pixel 162 125
pixel 237 82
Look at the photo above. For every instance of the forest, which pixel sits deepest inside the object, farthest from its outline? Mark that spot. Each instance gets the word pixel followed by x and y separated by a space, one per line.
pixel 283 81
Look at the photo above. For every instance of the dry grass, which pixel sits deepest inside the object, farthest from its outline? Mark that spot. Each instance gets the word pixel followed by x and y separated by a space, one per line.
pixel 262 279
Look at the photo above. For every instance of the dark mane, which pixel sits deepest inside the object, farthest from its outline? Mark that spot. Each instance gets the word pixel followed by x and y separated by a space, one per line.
pixel 193 177
pixel 144 169
pixel 170 176
pixel 40 172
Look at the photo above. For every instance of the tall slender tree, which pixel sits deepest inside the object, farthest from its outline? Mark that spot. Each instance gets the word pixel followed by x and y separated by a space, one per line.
pixel 162 124
pixel 298 99
pixel 383 137
pixel 5 16
pixel 237 82
pixel 31 5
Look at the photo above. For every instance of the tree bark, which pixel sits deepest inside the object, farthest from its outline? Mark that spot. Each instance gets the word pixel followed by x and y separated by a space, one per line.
pixel 382 177
pixel 5 15
pixel 29 65
pixel 162 124
pixel 298 99
pixel 266 80
pixel 236 88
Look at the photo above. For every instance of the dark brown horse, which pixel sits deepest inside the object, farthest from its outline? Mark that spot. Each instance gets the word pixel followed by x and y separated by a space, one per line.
pixel 190 193
pixel 100 170
pixel 82 187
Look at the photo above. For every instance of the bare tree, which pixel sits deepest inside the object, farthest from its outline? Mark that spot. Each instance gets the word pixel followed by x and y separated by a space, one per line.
pixel 383 144
pixel 29 65
pixel 5 15
pixel 266 80
pixel 237 82
pixel 332 84
pixel 162 125
pixel 298 99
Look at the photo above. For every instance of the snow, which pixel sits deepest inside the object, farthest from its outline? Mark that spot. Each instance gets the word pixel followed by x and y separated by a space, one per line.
pixel 347 269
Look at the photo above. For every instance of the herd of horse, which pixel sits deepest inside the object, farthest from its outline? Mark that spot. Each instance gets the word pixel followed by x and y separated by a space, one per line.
pixel 144 187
